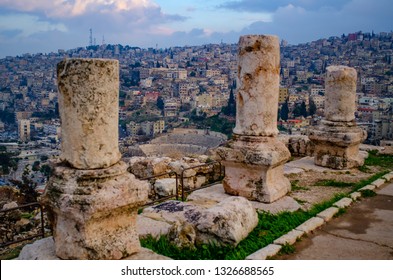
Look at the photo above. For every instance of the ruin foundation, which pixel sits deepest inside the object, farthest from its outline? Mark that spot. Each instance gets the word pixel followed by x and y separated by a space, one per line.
pixel 254 159
pixel 337 139
pixel 93 212
pixel 91 199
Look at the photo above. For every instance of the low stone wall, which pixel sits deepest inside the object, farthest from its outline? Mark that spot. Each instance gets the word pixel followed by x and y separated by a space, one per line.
pixel 298 145
pixel 172 150
pixel 207 141
pixel 165 185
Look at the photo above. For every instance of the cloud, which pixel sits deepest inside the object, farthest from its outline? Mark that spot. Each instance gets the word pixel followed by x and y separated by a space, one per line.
pixel 298 25
pixel 273 5
pixel 12 25
pixel 71 8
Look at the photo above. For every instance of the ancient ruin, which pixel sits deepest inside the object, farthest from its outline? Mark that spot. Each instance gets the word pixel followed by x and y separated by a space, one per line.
pixel 92 200
pixel 254 159
pixel 337 139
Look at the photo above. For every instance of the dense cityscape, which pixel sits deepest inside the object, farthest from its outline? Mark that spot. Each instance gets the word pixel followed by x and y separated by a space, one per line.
pixel 191 87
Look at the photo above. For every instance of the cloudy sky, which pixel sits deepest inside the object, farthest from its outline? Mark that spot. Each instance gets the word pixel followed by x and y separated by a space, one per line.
pixel 48 25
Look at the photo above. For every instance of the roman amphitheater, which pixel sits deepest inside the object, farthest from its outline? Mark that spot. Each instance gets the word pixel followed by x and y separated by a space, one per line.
pixel 180 142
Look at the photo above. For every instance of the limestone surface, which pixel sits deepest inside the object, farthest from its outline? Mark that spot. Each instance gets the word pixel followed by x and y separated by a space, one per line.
pixel 165 187
pixel 226 223
pixel 258 78
pixel 93 212
pixel 88 106
pixel 254 168
pixel 336 141
pixel 268 251
pixel 340 85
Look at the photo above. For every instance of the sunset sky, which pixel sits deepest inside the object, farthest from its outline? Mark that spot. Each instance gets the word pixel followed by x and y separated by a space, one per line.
pixel 31 26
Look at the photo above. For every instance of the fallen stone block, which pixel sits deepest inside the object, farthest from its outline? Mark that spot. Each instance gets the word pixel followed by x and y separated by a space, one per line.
pixel 146 226
pixel 165 187
pixel 229 222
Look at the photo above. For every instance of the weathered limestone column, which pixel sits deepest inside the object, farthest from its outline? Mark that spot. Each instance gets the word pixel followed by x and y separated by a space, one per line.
pixel 89 112
pixel 254 159
pixel 337 139
pixel 259 80
pixel 91 199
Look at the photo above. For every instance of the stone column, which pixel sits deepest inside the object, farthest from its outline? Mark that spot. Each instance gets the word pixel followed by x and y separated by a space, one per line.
pixel 337 139
pixel 254 159
pixel 88 106
pixel 340 92
pixel 258 79
pixel 91 199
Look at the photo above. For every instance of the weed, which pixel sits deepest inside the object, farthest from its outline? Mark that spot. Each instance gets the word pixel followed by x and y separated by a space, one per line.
pixel 300 201
pixel 368 193
pixel 375 159
pixel 287 249
pixel 333 183
pixel 364 169
pixel 296 187
pixel 340 212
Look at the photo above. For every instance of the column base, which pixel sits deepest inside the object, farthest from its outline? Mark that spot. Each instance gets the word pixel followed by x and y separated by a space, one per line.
pixel 254 168
pixel 93 212
pixel 337 146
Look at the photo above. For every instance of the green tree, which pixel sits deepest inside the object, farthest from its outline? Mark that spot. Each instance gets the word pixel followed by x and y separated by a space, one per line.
pixel 284 111
pixel 27 188
pixel 312 108
pixel 36 166
pixel 160 103
pixel 230 109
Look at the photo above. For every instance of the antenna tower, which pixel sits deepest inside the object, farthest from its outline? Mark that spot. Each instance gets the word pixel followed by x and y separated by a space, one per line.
pixel 91 37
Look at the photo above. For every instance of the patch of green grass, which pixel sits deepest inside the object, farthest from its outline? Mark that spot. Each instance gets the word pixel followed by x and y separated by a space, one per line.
pixel 333 183
pixel 296 187
pixel 375 159
pixel 287 249
pixel 368 193
pixel 364 169
pixel 11 254
pixel 365 182
pixel 340 212
pixel 300 201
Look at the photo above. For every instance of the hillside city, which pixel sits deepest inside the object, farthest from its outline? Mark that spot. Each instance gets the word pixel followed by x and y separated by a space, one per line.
pixel 190 87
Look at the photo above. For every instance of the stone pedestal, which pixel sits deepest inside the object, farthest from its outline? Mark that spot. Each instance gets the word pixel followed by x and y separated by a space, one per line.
pixel 91 199
pixel 254 159
pixel 337 139
pixel 254 168
pixel 337 144
pixel 93 212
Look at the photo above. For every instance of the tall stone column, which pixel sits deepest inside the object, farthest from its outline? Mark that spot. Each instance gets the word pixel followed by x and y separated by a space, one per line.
pixel 91 199
pixel 254 159
pixel 337 139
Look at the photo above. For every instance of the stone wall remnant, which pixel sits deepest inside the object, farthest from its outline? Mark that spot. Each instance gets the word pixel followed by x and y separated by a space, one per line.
pixel 254 159
pixel 91 199
pixel 337 138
